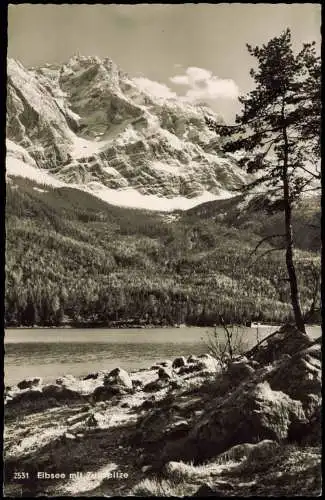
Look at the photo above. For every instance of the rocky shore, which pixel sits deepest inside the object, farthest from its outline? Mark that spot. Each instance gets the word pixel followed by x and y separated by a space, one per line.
pixel 187 427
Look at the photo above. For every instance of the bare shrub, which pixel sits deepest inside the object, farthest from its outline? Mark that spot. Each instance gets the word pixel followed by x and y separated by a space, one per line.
pixel 228 344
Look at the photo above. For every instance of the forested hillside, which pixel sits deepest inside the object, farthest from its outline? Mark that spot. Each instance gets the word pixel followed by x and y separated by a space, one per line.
pixel 73 259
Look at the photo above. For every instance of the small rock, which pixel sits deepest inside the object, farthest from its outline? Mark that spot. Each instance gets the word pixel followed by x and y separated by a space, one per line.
pixel 103 393
pixel 217 490
pixel 192 359
pixel 176 384
pixel 69 436
pixel 192 368
pixel 209 364
pixel 240 370
pixel 137 384
pixel 207 491
pixel 165 363
pixel 29 383
pixel 92 421
pixel 156 385
pixel 119 377
pixel 91 376
pixel 66 380
pixel 61 393
pixel 148 403
pixel 178 362
pixel 164 373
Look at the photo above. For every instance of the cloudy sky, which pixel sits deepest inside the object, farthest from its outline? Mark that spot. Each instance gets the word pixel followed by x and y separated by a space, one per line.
pixel 196 51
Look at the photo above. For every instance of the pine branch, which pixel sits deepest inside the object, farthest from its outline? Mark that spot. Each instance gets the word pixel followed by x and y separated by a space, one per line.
pixel 266 239
pixel 264 254
pixel 316 176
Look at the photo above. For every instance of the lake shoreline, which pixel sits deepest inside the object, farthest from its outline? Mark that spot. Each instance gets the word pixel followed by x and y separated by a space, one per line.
pixel 174 423
pixel 51 353
pixel 141 327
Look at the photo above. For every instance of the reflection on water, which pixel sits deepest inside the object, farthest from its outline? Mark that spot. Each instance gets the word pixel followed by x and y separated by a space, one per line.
pixel 50 353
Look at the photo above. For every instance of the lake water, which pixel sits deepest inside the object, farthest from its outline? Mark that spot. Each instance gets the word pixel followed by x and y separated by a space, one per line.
pixel 50 353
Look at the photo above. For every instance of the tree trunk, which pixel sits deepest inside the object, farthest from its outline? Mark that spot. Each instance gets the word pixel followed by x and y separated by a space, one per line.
pixel 299 320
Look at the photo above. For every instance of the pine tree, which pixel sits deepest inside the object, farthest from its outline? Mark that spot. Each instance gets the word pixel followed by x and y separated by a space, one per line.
pixel 278 132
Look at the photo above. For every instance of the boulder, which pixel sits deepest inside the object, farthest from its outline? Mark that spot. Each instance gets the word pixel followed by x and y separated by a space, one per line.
pixel 249 414
pixel 239 370
pixel 72 383
pixel 26 398
pixel 255 451
pixel 67 381
pixel 40 399
pixel 164 373
pixel 30 383
pixel 157 385
pixel 300 376
pixel 61 393
pixel 118 377
pixel 287 340
pixel 178 362
pixel 177 429
pixel 192 359
pixel 160 424
pixel 217 490
pixel 147 404
pixel 176 384
pixel 103 393
pixel 191 368
pixel 209 364
pixel 280 400
pixel 137 384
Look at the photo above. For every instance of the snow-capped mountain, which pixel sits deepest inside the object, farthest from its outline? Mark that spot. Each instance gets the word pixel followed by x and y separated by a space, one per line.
pixel 88 124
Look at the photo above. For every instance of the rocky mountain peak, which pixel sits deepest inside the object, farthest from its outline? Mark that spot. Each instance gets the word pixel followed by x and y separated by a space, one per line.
pixel 92 125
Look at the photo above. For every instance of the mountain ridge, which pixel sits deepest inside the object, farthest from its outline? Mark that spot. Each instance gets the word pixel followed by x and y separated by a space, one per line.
pixel 89 124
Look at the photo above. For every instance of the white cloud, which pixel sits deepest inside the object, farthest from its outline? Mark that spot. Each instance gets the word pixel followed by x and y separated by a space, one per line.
pixel 204 85
pixel 201 83
pixel 156 89
pixel 180 80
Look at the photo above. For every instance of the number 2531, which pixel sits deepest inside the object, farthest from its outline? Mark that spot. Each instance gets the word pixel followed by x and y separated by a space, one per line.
pixel 21 475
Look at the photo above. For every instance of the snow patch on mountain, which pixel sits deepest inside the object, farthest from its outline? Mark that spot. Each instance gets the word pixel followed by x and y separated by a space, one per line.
pixel 128 197
pixel 18 168
pixel 133 199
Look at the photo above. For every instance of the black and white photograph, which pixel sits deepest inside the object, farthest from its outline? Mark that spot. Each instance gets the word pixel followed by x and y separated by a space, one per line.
pixel 162 294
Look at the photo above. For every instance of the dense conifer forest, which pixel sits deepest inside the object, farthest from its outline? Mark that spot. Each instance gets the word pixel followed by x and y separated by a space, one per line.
pixel 72 259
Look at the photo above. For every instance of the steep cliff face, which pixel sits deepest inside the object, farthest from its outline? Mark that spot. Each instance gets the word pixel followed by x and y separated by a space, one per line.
pixel 89 124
